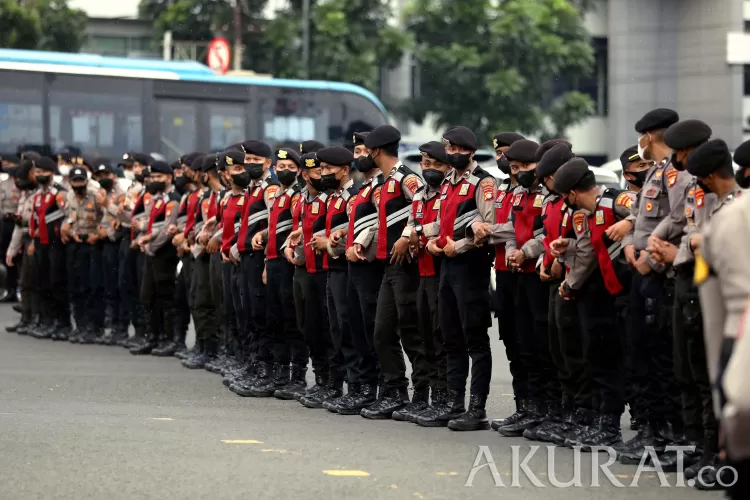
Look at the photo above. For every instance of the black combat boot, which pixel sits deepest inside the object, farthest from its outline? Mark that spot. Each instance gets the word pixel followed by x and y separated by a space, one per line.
pixel 296 383
pixel 393 399
pixel 708 466
pixel 438 405
pixel 62 332
pixel 24 329
pixel 165 349
pixel 585 433
pixel 551 420
pixel 279 379
pixel 320 383
pixel 419 403
pixel 412 416
pixel 534 417
pixel 333 392
pixel 607 435
pixel 475 418
pixel 22 323
pixel 564 423
pixel 630 452
pixel 365 396
pixel 709 450
pixel 258 371
pixel 315 396
pixel 144 345
pixel 333 405
pixel 519 414
pixel 453 408
pixel 668 459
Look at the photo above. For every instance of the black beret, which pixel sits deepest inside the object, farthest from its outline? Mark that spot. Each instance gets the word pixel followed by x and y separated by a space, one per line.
pixel 359 138
pixel 336 156
pixel 103 166
pixel 45 163
pixel 553 159
pixel 210 161
pixel 127 159
pixel 287 154
pixel 549 145
pixel 573 174
pixel 78 173
pixel 30 155
pixel 65 156
pixel 228 158
pixel 708 158
pixel 189 158
pixel 142 158
pixel 175 165
pixel 523 151
pixel 436 151
pixel 235 147
pixel 506 139
pixel 160 167
pixel 11 171
pixel 656 119
pixel 9 157
pixel 309 160
pixel 258 148
pixel 742 155
pixel 23 169
pixel 461 137
pixel 687 134
pixel 310 147
pixel 382 136
pixel 197 163
pixel 628 156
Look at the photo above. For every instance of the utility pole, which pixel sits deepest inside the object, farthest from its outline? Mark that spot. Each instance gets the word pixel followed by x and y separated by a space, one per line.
pixel 306 38
pixel 237 35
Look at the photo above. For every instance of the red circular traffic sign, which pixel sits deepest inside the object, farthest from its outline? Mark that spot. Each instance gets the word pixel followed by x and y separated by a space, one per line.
pixel 219 55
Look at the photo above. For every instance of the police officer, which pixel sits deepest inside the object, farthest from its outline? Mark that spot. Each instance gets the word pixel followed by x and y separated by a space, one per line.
pixel 9 199
pixel 49 252
pixel 158 287
pixel 597 275
pixel 435 165
pixel 742 158
pixel 81 233
pixel 396 313
pixel 634 168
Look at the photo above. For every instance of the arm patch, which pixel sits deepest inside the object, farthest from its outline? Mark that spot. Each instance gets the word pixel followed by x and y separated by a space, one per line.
pixel 624 200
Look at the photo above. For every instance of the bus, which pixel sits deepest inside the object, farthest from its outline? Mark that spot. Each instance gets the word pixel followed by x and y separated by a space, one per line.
pixel 106 106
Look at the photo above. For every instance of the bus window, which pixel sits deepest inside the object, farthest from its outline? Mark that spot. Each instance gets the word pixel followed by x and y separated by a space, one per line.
pixel 228 125
pixel 291 115
pixel 98 115
pixel 21 118
pixel 178 127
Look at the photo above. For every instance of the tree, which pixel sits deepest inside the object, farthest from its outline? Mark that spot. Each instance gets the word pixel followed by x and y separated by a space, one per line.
pixel 63 28
pixel 491 65
pixel 20 28
pixel 193 20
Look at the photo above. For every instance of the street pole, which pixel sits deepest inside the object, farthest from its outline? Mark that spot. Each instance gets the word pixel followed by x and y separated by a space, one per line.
pixel 306 37
pixel 237 35
pixel 167 46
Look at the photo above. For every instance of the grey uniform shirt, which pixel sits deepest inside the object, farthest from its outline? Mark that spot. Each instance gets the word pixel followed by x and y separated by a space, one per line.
pixel 110 218
pixel 698 208
pixel 24 211
pixel 9 197
pixel 131 195
pixel 84 213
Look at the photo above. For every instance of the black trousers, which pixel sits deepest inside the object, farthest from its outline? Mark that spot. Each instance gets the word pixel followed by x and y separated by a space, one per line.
pixel 298 290
pixel 429 330
pixel 110 278
pixel 183 299
pixel 30 307
pixel 506 288
pixel 396 325
pixel 364 286
pixel 238 296
pixel 231 281
pixel 464 305
pixel 316 324
pixel 130 310
pixel 7 224
pixel 216 277
pixel 650 341
pixel 203 310
pixel 690 364
pixel 603 346
pixel 85 278
pixel 254 304
pixel 281 319
pixel 158 291
pixel 566 350
pixel 51 279
pixel 532 300
pixel 339 305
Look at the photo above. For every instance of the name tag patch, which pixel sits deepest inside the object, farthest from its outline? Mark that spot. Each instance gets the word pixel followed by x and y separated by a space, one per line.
pixel 538 201
pixel 392 186
pixel 315 208
pixel 599 217
pixel 464 190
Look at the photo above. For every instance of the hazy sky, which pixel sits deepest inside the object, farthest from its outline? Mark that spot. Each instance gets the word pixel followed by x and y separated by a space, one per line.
pixel 107 8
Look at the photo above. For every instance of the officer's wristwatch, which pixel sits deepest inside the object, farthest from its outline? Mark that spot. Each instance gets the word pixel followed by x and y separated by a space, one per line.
pixel 418 228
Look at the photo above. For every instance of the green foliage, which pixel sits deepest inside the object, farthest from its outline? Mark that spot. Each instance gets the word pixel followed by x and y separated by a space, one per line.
pixel 20 28
pixel 491 65
pixel 43 25
pixel 194 20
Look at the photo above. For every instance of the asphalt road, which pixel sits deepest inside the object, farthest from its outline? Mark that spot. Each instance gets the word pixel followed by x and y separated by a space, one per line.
pixel 94 422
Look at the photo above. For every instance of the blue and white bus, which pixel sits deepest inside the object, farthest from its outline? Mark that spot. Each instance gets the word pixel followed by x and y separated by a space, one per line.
pixel 107 105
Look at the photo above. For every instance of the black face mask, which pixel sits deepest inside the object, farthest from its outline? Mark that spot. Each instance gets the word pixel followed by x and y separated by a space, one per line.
pixel 743 181
pixel 44 179
pixel 503 165
pixel 433 178
pixel 79 190
pixel 460 161
pixel 677 164
pixel 330 181
pixel 286 177
pixel 139 178
pixel 526 178
pixel 317 184
pixel 639 178
pixel 241 180
pixel 705 188
pixel 365 164
pixel 573 206
pixel 180 184
pixel 255 170
pixel 155 187
pixel 25 185
pixel 106 183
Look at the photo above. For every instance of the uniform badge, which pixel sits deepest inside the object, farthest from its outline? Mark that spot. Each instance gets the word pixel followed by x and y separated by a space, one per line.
pixel 651 192
pixel 47 198
pixel 699 201
pixel 282 154
pixel 500 196
pixel 366 192
pixel 271 191
pixel 350 205
pixel 517 199
pixel 600 217
pixel 169 212
pixel 338 203
pixel 691 192
pixel 256 191
pixel 464 190
pixel 315 208
pixel 671 177
pixel 624 200
pixel 391 186
pixel 420 211
pixel 282 202
pixel 578 219
pixel 436 206
pixel 688 212
pixel 657 175
pixel 649 206
pixel 90 206
pixel 565 219
pixel 241 201
pixel 158 204
pixel 538 201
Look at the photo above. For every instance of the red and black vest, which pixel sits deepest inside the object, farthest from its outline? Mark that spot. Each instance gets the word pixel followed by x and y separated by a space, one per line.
pixel 49 211
pixel 393 211
pixel 230 213
pixel 339 207
pixel 607 251
pixel 364 213
pixel 458 206
pixel 280 220
pixel 502 213
pixel 425 212
pixel 192 206
pixel 553 214
pixel 313 218
pixel 526 214
pixel 139 212
pixel 158 216
pixel 255 213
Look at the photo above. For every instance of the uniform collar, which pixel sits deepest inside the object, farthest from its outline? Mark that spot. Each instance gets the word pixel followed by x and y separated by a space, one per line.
pixel 395 168
pixel 729 197
pixel 258 182
pixel 454 179
pixel 346 186
pixel 430 192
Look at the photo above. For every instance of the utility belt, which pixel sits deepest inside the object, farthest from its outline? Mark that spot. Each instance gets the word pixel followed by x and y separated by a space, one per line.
pixel 685 269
